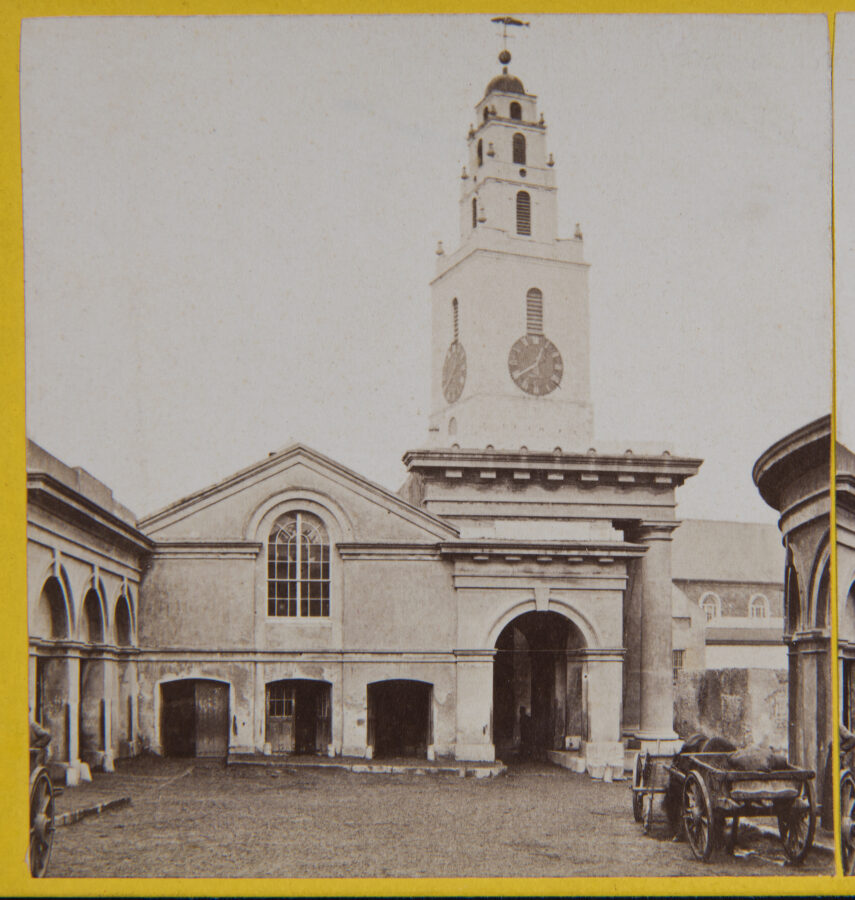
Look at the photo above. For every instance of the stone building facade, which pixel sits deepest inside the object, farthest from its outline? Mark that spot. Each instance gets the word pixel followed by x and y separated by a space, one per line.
pixel 85 557
pixel 515 596
pixel 728 596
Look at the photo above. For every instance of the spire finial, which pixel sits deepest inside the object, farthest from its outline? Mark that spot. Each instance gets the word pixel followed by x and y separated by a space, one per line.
pixel 504 21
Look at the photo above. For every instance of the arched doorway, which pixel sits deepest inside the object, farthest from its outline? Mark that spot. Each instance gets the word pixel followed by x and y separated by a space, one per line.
pixel 194 717
pixel 298 716
pixel 399 718
pixel 538 693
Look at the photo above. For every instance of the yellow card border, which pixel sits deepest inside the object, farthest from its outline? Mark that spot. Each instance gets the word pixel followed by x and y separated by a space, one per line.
pixel 13 627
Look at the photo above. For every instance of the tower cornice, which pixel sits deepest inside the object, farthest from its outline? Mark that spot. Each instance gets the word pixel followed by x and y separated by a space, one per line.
pixel 665 471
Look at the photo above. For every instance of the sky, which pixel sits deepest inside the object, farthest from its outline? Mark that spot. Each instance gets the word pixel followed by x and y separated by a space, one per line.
pixel 844 193
pixel 230 224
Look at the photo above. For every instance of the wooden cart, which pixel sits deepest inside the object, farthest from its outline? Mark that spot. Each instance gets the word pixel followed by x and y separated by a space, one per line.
pixel 41 814
pixel 847 820
pixel 715 797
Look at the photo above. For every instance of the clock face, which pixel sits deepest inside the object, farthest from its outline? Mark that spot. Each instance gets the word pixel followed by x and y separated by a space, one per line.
pixel 454 372
pixel 535 364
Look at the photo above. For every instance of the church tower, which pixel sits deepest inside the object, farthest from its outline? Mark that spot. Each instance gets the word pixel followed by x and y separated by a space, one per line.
pixel 510 356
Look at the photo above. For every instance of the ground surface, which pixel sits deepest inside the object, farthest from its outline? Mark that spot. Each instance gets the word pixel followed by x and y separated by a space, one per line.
pixel 195 818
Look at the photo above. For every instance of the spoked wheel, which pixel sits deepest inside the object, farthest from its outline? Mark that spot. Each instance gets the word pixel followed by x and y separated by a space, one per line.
pixel 847 822
pixel 697 816
pixel 796 825
pixel 41 823
pixel 637 784
pixel 731 830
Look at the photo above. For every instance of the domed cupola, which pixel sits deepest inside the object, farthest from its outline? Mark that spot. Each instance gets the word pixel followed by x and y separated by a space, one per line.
pixel 508 84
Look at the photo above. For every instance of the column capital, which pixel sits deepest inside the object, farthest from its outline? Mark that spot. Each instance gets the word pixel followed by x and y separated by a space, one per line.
pixel 645 531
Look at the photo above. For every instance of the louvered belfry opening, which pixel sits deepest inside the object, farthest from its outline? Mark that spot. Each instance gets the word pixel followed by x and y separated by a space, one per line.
pixel 523 213
pixel 519 149
pixel 534 312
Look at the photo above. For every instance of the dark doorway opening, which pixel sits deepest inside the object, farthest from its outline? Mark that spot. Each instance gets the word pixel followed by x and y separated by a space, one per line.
pixel 298 716
pixel 537 686
pixel 399 718
pixel 194 718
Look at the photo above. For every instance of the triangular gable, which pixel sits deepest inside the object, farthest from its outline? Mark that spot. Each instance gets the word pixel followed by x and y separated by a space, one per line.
pixel 221 511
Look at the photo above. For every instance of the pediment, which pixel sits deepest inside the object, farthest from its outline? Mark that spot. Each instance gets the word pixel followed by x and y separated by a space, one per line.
pixel 231 508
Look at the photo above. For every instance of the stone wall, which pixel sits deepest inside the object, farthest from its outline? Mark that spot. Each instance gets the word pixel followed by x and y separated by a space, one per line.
pixel 746 706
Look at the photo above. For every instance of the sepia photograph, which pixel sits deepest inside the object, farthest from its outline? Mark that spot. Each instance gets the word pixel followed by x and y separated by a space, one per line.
pixel 428 438
pixel 844 200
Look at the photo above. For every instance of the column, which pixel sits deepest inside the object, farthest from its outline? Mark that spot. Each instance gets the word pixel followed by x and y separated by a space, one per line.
pixel 74 767
pixel 111 688
pixel 656 701
pixel 474 739
pixel 632 642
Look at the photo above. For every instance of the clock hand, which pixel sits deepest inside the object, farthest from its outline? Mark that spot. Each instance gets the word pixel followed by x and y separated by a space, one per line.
pixel 534 365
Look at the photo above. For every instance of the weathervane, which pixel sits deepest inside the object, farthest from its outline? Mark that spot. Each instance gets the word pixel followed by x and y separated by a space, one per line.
pixel 504 21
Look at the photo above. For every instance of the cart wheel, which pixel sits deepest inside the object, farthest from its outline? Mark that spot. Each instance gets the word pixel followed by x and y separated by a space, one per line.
pixel 638 782
pixel 797 824
pixel 41 823
pixel 647 822
pixel 847 822
pixel 731 830
pixel 697 816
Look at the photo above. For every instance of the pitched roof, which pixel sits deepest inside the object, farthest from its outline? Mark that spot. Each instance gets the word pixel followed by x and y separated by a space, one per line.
pixel 707 550
pixel 438 526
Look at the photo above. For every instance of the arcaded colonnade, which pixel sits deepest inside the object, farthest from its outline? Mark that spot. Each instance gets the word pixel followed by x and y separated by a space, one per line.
pixel 84 559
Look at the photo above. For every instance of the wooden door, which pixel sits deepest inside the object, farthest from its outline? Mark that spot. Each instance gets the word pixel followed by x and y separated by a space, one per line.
pixel 212 718
pixel 280 725
pixel 323 727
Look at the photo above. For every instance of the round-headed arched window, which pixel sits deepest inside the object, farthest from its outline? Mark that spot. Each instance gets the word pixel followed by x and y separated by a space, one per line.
pixel 758 608
pixel 711 605
pixel 298 567
pixel 516 111
pixel 519 149
pixel 480 152
pixel 523 213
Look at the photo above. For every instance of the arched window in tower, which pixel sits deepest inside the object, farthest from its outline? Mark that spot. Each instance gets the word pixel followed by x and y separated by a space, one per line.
pixel 480 152
pixel 516 111
pixel 298 567
pixel 486 113
pixel 523 213
pixel 474 212
pixel 455 321
pixel 519 149
pixel 534 312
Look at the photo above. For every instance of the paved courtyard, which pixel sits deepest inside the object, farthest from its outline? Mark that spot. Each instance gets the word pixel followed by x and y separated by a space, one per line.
pixel 194 818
